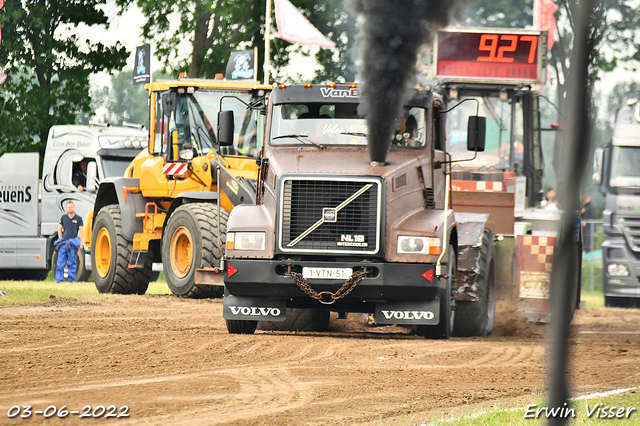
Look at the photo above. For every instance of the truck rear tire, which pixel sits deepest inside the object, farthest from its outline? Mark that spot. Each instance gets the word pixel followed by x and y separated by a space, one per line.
pixel 110 256
pixel 241 327
pixel 82 274
pixel 444 329
pixel 300 320
pixel 477 318
pixel 188 243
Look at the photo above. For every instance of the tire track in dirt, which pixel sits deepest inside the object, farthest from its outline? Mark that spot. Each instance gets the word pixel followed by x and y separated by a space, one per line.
pixel 172 361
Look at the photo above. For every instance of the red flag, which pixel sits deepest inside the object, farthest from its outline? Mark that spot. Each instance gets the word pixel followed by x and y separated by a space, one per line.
pixel 547 20
pixel 295 28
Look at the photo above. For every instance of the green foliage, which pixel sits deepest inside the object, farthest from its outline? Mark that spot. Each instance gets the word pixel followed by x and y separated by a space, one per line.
pixel 21 292
pixel 620 94
pixel 500 13
pixel 48 73
pixel 215 28
pixel 123 101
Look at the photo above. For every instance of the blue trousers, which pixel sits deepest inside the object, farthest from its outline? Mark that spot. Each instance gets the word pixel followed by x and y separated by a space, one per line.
pixel 66 256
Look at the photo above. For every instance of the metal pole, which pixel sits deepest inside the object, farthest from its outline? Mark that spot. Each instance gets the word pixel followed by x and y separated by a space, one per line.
pixel 219 199
pixel 267 43
pixel 562 275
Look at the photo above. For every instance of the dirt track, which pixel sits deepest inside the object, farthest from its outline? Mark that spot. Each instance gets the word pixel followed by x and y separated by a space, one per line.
pixel 171 362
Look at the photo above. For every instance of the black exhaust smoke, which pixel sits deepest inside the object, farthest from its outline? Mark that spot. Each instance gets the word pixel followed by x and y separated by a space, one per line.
pixel 392 33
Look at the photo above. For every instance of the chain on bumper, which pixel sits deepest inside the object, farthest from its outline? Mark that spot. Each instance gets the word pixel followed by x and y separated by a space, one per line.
pixel 327 297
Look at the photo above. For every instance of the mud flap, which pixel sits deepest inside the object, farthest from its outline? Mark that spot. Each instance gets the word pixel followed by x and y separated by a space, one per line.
pixel 253 309
pixel 416 313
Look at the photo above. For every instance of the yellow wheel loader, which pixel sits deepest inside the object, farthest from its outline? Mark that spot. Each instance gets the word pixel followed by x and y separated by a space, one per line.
pixel 172 204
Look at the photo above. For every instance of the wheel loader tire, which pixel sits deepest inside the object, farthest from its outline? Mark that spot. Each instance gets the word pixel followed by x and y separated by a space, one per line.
pixel 300 320
pixel 241 327
pixel 82 273
pixel 190 242
pixel 477 318
pixel 444 329
pixel 110 256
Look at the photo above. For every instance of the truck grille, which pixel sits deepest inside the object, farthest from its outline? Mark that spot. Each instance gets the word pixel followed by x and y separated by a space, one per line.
pixel 309 221
pixel 631 227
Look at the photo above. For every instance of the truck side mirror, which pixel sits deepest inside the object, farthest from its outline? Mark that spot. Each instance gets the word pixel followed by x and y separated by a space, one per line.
pixel 92 176
pixel 225 128
pixel 598 158
pixel 476 130
pixel 168 103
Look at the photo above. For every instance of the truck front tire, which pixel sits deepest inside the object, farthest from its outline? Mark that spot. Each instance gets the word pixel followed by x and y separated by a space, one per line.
pixel 190 242
pixel 110 256
pixel 300 320
pixel 444 329
pixel 477 318
pixel 241 327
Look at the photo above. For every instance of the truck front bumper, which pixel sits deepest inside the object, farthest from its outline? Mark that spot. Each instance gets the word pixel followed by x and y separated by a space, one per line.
pixel 384 281
pixel 616 252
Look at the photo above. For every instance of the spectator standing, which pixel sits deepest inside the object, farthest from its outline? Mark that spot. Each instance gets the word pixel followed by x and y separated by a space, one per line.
pixel 588 212
pixel 552 203
pixel 70 227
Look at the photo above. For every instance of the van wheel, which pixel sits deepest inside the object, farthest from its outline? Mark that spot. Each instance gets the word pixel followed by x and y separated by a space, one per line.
pixel 190 242
pixel 110 256
pixel 477 318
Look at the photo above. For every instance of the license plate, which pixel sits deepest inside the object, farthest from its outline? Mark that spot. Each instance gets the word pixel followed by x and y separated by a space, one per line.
pixel 327 273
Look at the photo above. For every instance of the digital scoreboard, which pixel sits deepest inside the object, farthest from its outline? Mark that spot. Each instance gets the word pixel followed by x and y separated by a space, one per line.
pixel 491 55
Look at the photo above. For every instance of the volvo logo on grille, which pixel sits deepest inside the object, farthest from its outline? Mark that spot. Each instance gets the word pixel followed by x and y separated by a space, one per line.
pixel 329 215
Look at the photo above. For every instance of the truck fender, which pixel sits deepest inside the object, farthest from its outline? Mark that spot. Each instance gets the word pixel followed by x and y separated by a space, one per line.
pixel 116 191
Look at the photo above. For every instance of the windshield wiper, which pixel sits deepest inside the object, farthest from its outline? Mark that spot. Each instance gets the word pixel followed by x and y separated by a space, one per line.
pixel 364 135
pixel 300 138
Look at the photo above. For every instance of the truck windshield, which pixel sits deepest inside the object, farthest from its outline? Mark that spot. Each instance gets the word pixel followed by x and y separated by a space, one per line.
pixel 115 166
pixel 498 132
pixel 625 171
pixel 339 124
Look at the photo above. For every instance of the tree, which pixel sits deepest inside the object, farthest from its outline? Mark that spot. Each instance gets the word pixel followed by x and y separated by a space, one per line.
pixel 120 102
pixel 215 28
pixel 48 74
pixel 500 13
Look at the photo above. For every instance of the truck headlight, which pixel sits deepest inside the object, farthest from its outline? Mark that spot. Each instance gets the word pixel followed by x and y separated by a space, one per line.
pixel 246 241
pixel 418 245
pixel 617 270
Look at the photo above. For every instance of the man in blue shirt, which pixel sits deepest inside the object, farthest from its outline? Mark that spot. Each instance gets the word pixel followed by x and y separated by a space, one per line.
pixel 68 231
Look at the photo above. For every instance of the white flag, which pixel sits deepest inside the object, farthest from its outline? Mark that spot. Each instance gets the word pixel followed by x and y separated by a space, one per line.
pixel 295 28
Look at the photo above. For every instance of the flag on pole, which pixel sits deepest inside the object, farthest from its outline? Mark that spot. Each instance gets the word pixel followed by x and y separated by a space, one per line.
pixel 1 5
pixel 295 28
pixel 547 20
pixel 142 65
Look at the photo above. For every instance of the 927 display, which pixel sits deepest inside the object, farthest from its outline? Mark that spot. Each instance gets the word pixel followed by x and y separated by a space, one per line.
pixel 495 55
